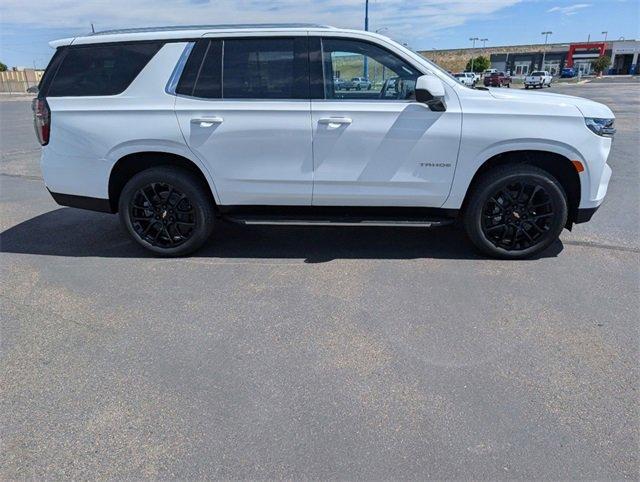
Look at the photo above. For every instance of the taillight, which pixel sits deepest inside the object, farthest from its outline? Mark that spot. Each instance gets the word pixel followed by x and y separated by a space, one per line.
pixel 42 120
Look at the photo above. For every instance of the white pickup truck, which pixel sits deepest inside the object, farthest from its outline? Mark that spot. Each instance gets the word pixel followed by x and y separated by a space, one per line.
pixel 539 78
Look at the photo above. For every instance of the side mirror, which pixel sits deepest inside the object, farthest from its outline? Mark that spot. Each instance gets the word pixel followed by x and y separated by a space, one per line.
pixel 430 90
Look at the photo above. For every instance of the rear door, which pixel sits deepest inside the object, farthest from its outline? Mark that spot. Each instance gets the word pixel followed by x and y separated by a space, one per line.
pixel 243 107
pixel 378 146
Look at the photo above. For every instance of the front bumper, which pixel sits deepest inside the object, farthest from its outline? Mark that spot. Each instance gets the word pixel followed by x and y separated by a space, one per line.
pixel 585 214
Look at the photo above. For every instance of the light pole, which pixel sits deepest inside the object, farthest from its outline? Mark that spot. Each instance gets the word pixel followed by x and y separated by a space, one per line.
pixel 544 52
pixel 605 35
pixel 376 70
pixel 473 46
pixel 365 70
pixel 484 42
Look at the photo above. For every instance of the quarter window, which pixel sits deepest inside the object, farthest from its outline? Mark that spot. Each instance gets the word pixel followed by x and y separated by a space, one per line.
pixel 359 70
pixel 100 69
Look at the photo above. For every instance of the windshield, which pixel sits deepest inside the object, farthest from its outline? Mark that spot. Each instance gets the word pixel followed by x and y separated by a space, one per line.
pixel 457 76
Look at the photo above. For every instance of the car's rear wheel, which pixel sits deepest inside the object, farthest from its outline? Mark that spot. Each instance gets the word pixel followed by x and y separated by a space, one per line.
pixel 515 212
pixel 167 210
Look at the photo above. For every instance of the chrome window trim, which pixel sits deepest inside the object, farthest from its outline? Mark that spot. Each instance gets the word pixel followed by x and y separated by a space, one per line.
pixel 172 84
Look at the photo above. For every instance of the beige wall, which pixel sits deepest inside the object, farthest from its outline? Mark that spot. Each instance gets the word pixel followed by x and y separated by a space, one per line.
pixel 18 81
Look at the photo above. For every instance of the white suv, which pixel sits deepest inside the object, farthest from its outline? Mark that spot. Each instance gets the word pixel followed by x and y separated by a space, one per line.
pixel 178 128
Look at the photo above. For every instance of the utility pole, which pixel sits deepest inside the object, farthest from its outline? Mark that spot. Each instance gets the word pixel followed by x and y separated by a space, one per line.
pixel 544 52
pixel 93 30
pixel 365 72
pixel 473 39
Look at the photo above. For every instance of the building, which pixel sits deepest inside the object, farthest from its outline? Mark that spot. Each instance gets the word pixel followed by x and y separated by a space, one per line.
pixel 624 57
pixel 519 60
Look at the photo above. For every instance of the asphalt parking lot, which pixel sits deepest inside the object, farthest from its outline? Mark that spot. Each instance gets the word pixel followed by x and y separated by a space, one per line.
pixel 317 353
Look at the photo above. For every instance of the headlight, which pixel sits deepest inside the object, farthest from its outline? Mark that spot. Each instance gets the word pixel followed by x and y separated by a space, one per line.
pixel 602 127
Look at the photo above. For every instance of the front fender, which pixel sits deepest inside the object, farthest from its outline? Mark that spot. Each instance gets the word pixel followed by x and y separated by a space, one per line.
pixel 467 168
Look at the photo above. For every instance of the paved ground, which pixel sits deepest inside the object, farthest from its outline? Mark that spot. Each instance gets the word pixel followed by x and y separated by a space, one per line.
pixel 324 353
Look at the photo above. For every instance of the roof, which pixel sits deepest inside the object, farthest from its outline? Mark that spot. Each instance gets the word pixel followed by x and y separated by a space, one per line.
pixel 181 32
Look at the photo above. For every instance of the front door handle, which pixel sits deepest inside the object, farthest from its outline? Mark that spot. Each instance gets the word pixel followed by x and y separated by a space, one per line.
pixel 207 121
pixel 335 121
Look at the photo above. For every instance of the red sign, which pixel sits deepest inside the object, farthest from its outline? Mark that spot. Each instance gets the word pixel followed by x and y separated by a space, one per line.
pixel 600 46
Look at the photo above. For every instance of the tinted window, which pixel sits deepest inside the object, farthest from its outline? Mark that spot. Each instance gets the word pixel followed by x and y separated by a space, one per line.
pixel 265 68
pixel 101 69
pixel 384 75
pixel 208 83
pixel 187 81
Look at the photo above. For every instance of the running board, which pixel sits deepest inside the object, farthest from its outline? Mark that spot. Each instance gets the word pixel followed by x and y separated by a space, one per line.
pixel 282 221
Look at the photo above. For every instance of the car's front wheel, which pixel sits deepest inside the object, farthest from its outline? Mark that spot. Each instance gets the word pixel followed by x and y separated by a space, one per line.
pixel 167 210
pixel 515 211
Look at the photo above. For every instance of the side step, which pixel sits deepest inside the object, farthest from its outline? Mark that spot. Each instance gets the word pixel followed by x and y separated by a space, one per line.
pixel 341 221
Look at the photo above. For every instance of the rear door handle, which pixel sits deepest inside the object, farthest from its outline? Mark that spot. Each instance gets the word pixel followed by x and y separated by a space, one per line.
pixel 335 121
pixel 207 121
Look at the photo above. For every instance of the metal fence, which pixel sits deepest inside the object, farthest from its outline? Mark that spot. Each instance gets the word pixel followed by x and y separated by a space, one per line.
pixel 18 81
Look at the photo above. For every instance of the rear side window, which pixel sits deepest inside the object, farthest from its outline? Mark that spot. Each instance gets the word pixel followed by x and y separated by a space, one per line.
pixel 100 69
pixel 256 68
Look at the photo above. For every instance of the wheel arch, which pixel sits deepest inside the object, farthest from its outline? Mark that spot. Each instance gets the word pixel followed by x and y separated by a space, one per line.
pixel 131 164
pixel 558 165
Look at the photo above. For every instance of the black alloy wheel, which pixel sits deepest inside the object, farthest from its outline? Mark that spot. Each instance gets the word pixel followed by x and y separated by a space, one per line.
pixel 162 215
pixel 168 210
pixel 517 215
pixel 515 211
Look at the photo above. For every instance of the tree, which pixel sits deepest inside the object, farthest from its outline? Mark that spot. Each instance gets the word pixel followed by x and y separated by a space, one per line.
pixel 3 67
pixel 601 64
pixel 480 64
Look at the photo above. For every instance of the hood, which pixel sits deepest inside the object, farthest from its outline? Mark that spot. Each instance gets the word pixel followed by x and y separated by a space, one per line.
pixel 587 107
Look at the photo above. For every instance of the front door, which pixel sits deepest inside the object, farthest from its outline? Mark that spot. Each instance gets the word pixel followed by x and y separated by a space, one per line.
pixel 243 108
pixel 377 146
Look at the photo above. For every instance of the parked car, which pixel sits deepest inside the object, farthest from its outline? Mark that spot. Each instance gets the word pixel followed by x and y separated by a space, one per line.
pixel 358 83
pixel 178 129
pixel 339 84
pixel 476 76
pixel 539 78
pixel 567 73
pixel 497 79
pixel 466 78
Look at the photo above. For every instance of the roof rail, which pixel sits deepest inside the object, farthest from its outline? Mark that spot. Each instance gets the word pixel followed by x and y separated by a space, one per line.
pixel 210 27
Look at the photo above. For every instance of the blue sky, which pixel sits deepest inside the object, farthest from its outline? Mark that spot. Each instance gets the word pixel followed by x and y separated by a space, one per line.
pixel 26 28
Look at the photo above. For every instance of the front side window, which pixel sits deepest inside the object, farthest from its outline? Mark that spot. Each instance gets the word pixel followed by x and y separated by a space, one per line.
pixel 356 70
pixel 100 69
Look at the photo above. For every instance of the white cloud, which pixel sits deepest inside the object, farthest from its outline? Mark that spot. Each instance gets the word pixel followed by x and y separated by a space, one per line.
pixel 569 10
pixel 404 18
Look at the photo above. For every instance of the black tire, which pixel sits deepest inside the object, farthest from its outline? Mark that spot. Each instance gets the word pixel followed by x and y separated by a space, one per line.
pixel 170 204
pixel 516 211
pixel 526 87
